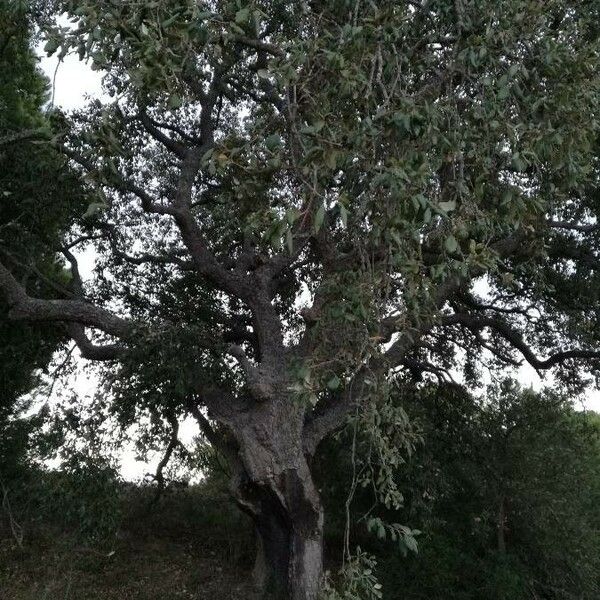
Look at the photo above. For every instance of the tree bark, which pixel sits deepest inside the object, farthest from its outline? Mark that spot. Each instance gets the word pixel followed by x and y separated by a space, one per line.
pixel 288 517
pixel 273 484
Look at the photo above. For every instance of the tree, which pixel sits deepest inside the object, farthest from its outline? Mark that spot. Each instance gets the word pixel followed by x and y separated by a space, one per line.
pixel 39 197
pixel 505 489
pixel 296 200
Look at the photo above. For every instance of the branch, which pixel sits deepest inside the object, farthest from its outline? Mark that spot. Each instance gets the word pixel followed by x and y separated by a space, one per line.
pixel 180 132
pixel 259 383
pixel 218 441
pixel 24 307
pixel 77 280
pixel 173 441
pixel 91 351
pixel 169 143
pixel 514 337
pixel 26 135
pixel 169 258
pixel 331 413
pixel 121 184
pixel 258 45
pixel 574 226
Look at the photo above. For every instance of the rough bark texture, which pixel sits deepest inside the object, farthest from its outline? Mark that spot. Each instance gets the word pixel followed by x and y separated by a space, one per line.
pixel 289 525
pixel 275 488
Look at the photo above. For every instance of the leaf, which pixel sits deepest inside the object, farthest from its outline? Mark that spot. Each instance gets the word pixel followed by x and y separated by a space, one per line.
pixel 319 218
pixel 289 240
pixel 263 73
pixel 318 126
pixel 411 543
pixel 304 374
pixel 174 102
pixel 331 160
pixel 93 209
pixel 344 215
pixel 334 383
pixel 448 206
pixel 518 162
pixel 51 47
pixel 273 142
pixel 170 20
pixel 207 156
pixel 451 244
pixel 242 16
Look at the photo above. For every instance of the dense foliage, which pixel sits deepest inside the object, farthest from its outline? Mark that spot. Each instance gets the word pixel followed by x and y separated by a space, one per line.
pixel 504 490
pixel 39 198
pixel 296 205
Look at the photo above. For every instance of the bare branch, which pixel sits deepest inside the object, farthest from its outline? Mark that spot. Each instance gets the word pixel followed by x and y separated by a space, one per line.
pixel 91 351
pixel 515 338
pixel 24 307
pixel 588 228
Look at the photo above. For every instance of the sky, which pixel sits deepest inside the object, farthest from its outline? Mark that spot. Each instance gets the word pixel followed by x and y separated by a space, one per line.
pixel 74 84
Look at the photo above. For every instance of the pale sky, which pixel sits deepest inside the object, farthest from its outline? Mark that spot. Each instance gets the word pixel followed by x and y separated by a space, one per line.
pixel 74 82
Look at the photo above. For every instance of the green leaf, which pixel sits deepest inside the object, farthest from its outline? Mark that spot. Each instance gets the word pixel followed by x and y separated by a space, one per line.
pixel 319 218
pixel 411 543
pixel 93 209
pixel 174 102
pixel 448 206
pixel 170 20
pixel 451 244
pixel 289 240
pixel 242 16
pixel 318 126
pixel 518 162
pixel 334 383
pixel 331 159
pixel 263 73
pixel 51 47
pixel 344 215
pixel 273 142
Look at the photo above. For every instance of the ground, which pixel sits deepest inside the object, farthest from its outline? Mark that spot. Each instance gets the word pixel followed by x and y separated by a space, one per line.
pixel 155 555
pixel 138 570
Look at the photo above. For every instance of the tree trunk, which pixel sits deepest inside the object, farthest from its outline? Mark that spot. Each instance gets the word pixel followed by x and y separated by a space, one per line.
pixel 501 526
pixel 288 517
pixel 272 483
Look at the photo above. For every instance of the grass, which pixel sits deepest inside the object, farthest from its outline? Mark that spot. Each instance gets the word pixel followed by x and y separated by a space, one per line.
pixel 193 545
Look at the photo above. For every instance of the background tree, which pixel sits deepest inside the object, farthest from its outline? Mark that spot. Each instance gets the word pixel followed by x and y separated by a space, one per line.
pixel 294 201
pixel 39 198
pixel 505 490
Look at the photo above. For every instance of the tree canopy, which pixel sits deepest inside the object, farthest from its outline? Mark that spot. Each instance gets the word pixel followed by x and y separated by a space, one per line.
pixel 292 203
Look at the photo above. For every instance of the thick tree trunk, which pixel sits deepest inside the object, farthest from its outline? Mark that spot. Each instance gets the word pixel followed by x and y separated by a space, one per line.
pixel 288 517
pixel 272 483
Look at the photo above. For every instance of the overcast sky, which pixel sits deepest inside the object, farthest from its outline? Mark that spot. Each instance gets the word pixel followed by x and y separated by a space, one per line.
pixel 74 82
